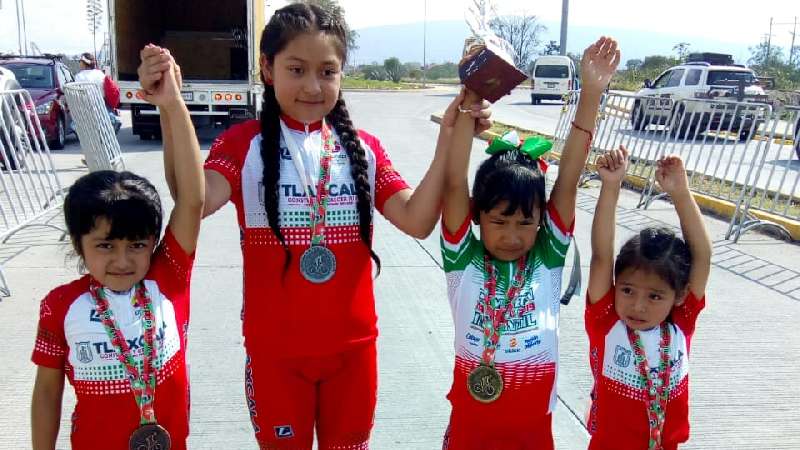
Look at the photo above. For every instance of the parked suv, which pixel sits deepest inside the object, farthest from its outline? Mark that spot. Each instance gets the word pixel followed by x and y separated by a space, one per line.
pixel 45 77
pixel 723 82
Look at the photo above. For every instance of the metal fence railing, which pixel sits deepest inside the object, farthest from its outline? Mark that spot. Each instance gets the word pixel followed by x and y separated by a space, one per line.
pixel 739 152
pixel 93 126
pixel 29 184
pixel 775 189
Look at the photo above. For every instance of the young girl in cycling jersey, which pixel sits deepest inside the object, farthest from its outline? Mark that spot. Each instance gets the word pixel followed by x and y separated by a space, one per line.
pixel 504 287
pixel 118 334
pixel 640 316
pixel 306 183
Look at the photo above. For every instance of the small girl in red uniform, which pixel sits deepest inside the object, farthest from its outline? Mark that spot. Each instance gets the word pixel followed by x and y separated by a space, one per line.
pixel 641 314
pixel 119 333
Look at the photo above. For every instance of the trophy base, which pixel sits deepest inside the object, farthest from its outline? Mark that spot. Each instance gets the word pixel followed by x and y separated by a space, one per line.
pixel 489 75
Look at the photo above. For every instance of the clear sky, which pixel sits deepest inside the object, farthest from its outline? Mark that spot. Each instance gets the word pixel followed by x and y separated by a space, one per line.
pixel 60 25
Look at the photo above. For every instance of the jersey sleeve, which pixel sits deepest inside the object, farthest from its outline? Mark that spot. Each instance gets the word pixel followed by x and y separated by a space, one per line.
pixel 600 317
pixel 553 239
pixel 229 151
pixel 172 267
pixel 459 248
pixel 685 315
pixel 387 180
pixel 51 347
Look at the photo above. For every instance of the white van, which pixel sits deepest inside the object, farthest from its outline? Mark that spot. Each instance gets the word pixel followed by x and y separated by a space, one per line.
pixel 552 77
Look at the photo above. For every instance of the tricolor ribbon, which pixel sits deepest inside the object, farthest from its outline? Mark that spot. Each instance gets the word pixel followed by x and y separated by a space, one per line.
pixel 533 147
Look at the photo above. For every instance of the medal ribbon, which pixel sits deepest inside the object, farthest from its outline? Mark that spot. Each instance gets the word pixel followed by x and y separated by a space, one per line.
pixel 319 203
pixel 143 384
pixel 494 317
pixel 657 393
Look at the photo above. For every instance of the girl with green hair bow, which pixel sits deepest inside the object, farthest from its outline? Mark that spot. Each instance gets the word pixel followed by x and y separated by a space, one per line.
pixel 504 285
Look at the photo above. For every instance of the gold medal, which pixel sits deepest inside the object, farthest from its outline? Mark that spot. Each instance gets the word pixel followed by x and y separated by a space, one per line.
pixel 151 436
pixel 485 383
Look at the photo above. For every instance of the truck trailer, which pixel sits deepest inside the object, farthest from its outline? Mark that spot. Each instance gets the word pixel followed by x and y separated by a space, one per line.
pixel 216 43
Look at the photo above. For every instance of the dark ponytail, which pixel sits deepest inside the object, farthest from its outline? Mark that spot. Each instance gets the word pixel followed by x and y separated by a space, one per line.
pixel 339 117
pixel 271 156
pixel 286 24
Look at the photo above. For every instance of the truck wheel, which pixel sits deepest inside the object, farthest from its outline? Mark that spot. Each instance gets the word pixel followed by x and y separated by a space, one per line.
pixel 535 100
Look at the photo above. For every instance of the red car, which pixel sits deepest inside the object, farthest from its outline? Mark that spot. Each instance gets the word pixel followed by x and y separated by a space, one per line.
pixel 44 77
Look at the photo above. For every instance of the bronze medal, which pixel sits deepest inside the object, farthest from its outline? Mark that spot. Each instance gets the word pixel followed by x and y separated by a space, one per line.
pixel 151 436
pixel 485 383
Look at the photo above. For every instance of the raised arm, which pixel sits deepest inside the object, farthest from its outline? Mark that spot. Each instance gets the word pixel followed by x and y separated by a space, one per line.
pixel 456 206
pixel 598 65
pixel 671 176
pixel 155 62
pixel 183 165
pixel 416 212
pixel 611 168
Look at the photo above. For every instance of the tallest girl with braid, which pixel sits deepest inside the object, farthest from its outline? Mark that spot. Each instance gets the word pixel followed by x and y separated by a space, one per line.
pixel 304 182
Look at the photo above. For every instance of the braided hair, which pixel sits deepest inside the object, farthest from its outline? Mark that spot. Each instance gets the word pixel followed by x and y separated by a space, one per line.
pixel 286 24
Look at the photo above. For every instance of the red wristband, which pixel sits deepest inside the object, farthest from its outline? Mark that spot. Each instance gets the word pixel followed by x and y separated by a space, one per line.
pixel 590 133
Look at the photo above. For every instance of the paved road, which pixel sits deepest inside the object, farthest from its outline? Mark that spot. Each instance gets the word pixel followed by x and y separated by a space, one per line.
pixel 745 352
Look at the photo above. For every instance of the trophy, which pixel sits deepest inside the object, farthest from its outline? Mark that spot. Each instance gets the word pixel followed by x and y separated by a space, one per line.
pixel 487 67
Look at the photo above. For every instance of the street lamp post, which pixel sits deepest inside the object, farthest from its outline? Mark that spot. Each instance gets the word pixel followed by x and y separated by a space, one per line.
pixel 564 19
pixel 425 44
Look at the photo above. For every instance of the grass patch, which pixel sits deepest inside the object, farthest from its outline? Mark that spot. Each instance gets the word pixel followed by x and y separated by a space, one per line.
pixel 360 83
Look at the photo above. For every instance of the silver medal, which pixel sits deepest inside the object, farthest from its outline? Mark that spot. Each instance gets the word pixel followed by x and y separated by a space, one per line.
pixel 318 264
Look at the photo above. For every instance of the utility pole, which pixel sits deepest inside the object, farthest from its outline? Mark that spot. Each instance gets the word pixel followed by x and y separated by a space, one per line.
pixel 564 19
pixel 425 44
pixel 22 32
pixel 791 49
pixel 94 11
pixel 769 42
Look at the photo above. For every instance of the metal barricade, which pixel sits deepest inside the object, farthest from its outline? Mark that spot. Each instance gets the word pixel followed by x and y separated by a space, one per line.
pixel 93 126
pixel 29 184
pixel 734 151
pixel 775 189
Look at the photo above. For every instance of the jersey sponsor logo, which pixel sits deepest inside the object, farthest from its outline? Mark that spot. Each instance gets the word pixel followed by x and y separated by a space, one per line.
pixel 512 342
pixel 84 351
pixel 106 351
pixel 250 392
pixel 472 339
pixel 94 316
pixel 284 432
pixel 622 356
pixel 532 342
pixel 522 320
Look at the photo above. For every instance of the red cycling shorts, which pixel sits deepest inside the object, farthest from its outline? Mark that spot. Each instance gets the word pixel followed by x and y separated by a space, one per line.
pixel 289 397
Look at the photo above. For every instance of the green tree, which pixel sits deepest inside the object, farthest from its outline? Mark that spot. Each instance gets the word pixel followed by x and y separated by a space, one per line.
pixel 682 49
pixel 394 69
pixel 446 70
pixel 523 33
pixel 552 48
pixel 634 64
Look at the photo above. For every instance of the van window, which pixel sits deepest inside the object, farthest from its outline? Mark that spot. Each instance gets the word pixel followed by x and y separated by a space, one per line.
pixel 693 77
pixel 547 71
pixel 675 78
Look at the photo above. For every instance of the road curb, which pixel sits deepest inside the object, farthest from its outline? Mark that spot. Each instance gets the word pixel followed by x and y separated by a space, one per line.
pixel 706 203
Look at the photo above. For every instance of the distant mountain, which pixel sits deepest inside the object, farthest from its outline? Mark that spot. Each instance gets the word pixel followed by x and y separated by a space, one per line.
pixel 445 41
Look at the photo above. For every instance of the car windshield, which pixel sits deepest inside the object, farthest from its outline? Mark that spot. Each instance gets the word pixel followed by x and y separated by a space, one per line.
pixel 33 76
pixel 731 77
pixel 544 71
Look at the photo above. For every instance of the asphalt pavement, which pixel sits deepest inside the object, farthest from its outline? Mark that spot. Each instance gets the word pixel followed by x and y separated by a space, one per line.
pixel 745 352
